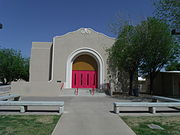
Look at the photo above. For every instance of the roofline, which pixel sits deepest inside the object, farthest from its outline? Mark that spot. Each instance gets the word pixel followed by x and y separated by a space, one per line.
pixel 84 28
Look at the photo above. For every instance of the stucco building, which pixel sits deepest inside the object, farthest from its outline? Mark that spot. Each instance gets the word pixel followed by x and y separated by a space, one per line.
pixel 77 59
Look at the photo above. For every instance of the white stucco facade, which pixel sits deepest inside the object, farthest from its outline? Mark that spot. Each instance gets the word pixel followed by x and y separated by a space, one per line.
pixel 51 62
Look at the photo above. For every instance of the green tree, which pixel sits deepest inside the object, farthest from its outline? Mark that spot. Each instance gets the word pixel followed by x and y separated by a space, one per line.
pixel 26 69
pixel 174 66
pixel 12 66
pixel 168 11
pixel 158 47
pixel 124 54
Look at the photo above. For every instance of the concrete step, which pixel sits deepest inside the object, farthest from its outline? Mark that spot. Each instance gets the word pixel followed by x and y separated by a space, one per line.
pixel 67 92
pixel 81 92
pixel 84 92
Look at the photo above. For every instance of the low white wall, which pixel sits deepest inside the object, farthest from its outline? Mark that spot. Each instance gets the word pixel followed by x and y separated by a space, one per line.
pixel 5 89
pixel 42 89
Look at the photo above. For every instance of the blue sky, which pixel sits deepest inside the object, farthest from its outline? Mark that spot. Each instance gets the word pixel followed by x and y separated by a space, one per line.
pixel 27 21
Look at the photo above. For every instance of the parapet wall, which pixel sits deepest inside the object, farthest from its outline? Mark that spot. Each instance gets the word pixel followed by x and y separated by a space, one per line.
pixel 41 89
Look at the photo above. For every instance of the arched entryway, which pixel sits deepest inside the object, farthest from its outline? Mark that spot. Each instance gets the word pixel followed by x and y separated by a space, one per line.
pixel 83 53
pixel 84 72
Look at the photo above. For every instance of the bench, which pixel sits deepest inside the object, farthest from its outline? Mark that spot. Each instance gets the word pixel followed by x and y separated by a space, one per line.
pixel 8 97
pixel 150 105
pixel 157 98
pixel 24 104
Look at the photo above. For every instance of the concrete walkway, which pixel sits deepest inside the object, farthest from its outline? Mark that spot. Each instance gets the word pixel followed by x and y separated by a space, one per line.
pixel 90 116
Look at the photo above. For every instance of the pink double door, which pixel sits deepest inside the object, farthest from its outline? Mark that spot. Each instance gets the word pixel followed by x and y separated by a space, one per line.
pixel 84 79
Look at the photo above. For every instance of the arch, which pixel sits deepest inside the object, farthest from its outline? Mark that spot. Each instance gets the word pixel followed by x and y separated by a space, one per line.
pixel 85 62
pixel 81 51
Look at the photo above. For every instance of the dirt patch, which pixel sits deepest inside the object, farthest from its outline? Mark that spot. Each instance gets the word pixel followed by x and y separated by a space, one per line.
pixel 45 119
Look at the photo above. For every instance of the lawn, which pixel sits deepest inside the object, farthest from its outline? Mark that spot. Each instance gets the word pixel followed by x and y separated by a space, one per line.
pixel 171 124
pixel 27 124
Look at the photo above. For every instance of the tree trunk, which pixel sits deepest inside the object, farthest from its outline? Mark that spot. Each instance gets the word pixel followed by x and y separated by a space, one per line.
pixel 131 75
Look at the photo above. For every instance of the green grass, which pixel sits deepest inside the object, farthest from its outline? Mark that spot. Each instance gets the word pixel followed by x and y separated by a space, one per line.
pixel 27 124
pixel 171 124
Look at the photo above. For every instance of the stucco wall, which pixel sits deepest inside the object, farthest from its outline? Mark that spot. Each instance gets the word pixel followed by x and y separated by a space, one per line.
pixel 66 44
pixel 40 61
pixel 45 89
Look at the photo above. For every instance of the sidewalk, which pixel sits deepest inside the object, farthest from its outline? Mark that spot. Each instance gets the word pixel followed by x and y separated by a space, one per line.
pixel 91 116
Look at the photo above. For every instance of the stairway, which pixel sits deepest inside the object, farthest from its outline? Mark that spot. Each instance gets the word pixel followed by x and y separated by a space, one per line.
pixel 80 92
